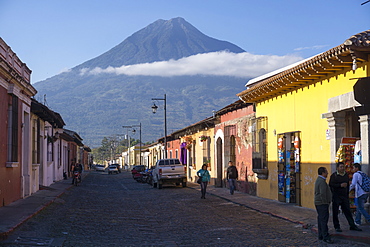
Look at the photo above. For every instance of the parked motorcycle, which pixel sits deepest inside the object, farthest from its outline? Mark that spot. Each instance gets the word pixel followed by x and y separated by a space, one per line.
pixel 76 178
pixel 145 176
pixel 138 177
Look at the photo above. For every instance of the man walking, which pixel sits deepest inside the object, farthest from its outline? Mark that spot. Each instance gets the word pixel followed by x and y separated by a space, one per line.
pixel 339 185
pixel 360 195
pixel 322 201
pixel 232 175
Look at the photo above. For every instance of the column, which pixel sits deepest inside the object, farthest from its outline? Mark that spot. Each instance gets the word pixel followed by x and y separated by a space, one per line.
pixel 337 128
pixel 365 147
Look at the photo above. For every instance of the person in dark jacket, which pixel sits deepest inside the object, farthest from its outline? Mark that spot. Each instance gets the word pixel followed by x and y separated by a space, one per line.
pixel 339 185
pixel 322 202
pixel 232 176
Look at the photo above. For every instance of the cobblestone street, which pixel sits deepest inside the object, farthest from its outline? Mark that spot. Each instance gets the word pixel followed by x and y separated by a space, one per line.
pixel 115 210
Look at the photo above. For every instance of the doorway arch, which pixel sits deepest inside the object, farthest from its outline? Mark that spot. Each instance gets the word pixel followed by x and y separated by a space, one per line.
pixel 219 162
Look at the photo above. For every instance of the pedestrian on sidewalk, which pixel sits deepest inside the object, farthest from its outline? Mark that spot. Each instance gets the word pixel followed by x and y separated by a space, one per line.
pixel 360 195
pixel 339 185
pixel 232 176
pixel 204 174
pixel 322 202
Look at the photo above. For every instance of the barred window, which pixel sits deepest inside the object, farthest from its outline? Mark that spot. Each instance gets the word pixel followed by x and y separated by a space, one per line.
pixel 230 133
pixel 207 150
pixel 13 130
pixel 259 143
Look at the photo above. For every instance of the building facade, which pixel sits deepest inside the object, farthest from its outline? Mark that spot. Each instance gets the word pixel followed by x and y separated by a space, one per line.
pixel 310 108
pixel 234 142
pixel 15 126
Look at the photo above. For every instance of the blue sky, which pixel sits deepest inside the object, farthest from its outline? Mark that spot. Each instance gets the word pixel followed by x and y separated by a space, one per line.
pixel 52 36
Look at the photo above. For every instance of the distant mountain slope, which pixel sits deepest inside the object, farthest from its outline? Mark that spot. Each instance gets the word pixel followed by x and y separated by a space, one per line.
pixel 96 106
pixel 160 41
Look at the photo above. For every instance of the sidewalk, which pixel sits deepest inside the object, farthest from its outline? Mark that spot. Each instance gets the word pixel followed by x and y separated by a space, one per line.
pixel 303 216
pixel 13 215
pixel 16 213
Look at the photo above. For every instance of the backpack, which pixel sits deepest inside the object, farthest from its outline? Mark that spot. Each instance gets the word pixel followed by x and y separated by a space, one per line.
pixel 365 182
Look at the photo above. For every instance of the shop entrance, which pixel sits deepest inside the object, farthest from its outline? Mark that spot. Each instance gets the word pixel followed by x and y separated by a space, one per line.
pixel 289 175
pixel 349 151
pixel 219 162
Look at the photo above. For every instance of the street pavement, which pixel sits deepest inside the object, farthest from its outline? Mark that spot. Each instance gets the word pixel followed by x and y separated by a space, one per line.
pixel 13 215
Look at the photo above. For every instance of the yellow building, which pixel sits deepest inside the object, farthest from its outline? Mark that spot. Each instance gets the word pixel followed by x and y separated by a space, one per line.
pixel 309 107
pixel 196 145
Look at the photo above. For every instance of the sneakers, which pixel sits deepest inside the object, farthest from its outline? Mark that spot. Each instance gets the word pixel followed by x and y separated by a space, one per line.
pixel 355 228
pixel 357 224
pixel 338 230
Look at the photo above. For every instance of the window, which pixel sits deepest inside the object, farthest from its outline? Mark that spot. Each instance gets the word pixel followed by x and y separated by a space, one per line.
pixel 230 133
pixel 36 142
pixel 13 130
pixel 259 143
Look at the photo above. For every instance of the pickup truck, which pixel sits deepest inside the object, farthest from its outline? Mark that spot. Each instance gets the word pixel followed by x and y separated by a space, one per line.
pixel 169 171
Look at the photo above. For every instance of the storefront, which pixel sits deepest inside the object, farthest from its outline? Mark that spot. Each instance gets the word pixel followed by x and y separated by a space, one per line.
pixel 349 152
pixel 289 179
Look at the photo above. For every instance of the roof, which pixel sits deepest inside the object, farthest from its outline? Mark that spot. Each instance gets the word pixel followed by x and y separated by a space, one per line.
pixel 76 137
pixel 239 104
pixel 355 49
pixel 46 114
pixel 199 126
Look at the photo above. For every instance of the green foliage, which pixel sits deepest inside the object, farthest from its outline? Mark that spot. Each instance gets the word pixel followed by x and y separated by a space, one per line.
pixel 111 148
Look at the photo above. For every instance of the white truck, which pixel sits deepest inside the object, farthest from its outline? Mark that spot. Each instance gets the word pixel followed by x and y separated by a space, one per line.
pixel 168 171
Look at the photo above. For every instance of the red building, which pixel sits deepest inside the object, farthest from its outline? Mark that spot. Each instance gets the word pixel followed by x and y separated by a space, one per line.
pixel 15 110
pixel 234 142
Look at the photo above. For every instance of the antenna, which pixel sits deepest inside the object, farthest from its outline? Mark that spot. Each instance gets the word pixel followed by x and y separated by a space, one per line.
pixel 44 99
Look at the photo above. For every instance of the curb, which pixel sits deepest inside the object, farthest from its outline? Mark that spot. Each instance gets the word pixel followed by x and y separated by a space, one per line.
pixel 309 227
pixel 4 235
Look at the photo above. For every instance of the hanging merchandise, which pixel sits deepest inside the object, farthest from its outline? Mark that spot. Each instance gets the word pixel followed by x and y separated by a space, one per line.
pixel 289 149
pixel 287 179
pixel 281 183
pixel 357 153
pixel 346 154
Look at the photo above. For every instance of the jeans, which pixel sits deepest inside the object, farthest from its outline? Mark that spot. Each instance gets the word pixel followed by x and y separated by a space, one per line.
pixel 322 220
pixel 361 209
pixel 232 185
pixel 203 188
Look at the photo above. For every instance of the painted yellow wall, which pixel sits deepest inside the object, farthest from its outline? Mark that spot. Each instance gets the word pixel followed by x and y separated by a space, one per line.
pixel 199 153
pixel 301 110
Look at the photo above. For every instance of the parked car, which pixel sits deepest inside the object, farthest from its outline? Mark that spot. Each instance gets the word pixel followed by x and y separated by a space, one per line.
pixel 99 168
pixel 112 169
pixel 118 167
pixel 169 171
pixel 137 169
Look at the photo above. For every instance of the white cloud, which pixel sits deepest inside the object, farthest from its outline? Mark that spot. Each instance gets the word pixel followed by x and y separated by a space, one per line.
pixel 315 47
pixel 244 65
pixel 64 70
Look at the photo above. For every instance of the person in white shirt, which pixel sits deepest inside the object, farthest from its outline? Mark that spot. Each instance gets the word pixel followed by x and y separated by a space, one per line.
pixel 360 195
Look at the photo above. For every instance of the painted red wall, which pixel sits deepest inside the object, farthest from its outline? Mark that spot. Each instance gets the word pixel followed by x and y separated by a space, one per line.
pixel 10 177
pixel 240 118
pixel 172 146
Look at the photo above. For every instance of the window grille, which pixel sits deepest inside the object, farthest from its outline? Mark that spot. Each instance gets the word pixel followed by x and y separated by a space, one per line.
pixel 230 133
pixel 259 143
pixel 13 130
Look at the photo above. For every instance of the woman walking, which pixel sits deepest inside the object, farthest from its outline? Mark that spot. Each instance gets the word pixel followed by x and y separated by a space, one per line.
pixel 205 177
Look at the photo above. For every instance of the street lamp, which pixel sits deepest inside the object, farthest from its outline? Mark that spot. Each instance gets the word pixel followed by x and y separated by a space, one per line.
pixel 154 109
pixel 132 126
pixel 128 144
pixel 140 138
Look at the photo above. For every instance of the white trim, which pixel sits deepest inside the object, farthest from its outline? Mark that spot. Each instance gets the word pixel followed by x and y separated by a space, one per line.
pixel 275 72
